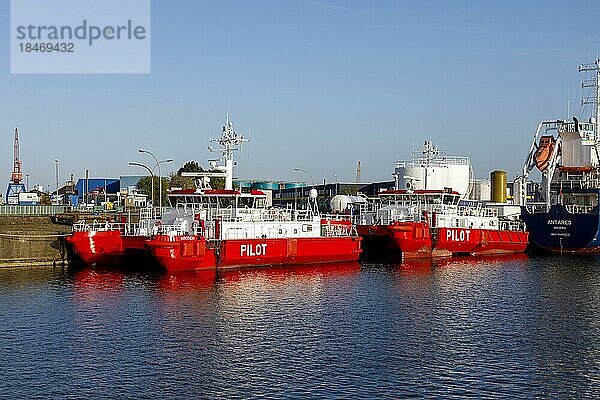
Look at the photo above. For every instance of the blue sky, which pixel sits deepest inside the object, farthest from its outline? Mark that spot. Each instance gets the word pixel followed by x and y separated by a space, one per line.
pixel 321 84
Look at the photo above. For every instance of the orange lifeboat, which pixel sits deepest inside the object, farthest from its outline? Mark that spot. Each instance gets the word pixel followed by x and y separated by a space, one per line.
pixel 544 152
pixel 576 170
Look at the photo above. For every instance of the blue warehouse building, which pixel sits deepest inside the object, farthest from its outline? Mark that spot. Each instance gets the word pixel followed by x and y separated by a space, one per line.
pixel 95 186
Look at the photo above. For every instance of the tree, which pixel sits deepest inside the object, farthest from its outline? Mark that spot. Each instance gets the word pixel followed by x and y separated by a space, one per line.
pixel 349 189
pixel 186 182
pixel 145 187
pixel 190 166
pixel 217 183
pixel 45 200
pixel 178 181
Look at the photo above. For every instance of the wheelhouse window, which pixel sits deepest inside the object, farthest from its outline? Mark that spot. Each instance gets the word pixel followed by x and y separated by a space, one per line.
pixel 225 202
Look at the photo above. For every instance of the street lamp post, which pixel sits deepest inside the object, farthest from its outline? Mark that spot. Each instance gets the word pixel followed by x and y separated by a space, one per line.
pixel 306 172
pixel 87 186
pixel 135 164
pixel 160 180
pixel 159 175
pixel 56 194
pixel 309 174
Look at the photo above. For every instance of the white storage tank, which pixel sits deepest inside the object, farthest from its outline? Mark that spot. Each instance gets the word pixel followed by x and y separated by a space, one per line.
pixel 432 169
pixel 482 190
pixel 341 203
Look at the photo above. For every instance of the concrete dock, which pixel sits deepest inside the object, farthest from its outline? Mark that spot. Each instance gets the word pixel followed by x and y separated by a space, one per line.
pixel 27 241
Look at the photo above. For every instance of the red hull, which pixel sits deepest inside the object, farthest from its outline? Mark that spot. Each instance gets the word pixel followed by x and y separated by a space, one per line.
pixel 411 238
pixel 195 253
pixel 449 241
pixel 104 247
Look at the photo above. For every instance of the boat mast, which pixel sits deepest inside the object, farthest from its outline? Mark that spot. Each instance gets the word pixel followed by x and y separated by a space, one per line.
pixel 595 83
pixel 230 141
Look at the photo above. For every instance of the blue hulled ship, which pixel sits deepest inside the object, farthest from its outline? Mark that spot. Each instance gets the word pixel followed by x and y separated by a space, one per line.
pixel 564 216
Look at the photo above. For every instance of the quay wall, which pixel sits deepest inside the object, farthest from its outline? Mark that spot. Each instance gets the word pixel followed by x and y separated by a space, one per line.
pixel 31 241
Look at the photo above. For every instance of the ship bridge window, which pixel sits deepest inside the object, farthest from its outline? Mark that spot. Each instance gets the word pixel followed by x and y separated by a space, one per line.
pixel 245 202
pixel 225 202
pixel 448 199
pixel 260 203
pixel 433 200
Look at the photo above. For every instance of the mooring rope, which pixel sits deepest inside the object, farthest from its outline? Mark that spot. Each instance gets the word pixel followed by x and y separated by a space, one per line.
pixel 12 236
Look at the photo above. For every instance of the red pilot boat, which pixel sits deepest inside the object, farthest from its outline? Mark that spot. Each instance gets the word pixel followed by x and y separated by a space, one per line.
pixel 110 243
pixel 246 237
pixel 231 229
pixel 429 219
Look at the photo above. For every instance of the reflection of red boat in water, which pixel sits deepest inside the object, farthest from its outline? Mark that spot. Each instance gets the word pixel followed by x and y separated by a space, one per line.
pixel 187 280
pixel 191 280
pixel 425 266
pixel 302 272
pixel 458 262
pixel 94 286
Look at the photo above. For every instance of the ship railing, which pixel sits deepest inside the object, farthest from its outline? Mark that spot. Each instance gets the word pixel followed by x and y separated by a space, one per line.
pixel 147 213
pixel 171 230
pixel 436 161
pixel 585 182
pixel 130 229
pixel 337 217
pixel 571 128
pixel 511 225
pixel 182 208
pixel 579 208
pixel 97 226
pixel 261 215
pixel 337 230
pixel 569 184
pixel 464 211
pixel 537 208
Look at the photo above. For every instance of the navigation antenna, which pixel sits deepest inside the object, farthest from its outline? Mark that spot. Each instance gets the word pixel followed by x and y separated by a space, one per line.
pixel 229 141
pixel 429 151
pixel 592 83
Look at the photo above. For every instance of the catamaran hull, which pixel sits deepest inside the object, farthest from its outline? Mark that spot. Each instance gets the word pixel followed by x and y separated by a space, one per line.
pixel 196 253
pixel 456 241
pixel 563 232
pixel 411 239
pixel 106 247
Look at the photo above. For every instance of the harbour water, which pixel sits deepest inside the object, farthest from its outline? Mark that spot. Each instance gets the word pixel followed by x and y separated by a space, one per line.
pixel 513 327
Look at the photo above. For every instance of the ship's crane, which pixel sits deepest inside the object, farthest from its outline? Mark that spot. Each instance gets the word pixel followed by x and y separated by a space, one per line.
pixel 15 185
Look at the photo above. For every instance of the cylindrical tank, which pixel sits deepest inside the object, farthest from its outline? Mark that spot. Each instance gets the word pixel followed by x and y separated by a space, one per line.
pixel 242 184
pixel 518 195
pixel 342 202
pixel 265 185
pixel 498 179
pixel 415 176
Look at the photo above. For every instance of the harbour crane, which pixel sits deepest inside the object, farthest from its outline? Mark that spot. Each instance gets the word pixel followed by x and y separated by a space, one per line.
pixel 15 185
